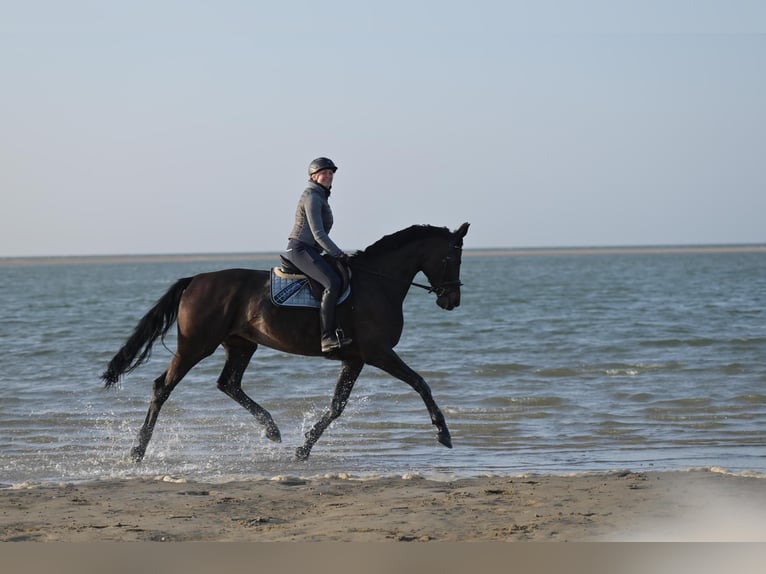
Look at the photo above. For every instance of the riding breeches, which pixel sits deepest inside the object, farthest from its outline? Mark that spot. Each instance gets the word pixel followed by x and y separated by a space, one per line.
pixel 310 262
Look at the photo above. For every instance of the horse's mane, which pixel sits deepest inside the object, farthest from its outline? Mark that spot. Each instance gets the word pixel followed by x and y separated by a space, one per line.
pixel 403 237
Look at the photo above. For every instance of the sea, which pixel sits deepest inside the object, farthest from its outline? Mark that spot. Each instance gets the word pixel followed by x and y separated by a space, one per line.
pixel 557 362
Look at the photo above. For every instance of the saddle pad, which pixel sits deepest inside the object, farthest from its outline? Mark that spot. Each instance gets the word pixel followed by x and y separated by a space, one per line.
pixel 294 291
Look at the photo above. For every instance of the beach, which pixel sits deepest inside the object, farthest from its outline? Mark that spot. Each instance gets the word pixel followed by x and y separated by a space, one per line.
pixel 699 505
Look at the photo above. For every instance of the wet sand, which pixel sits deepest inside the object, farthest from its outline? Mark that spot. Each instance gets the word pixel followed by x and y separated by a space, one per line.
pixel 620 506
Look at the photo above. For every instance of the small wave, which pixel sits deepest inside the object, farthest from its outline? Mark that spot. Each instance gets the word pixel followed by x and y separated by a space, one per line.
pixel 623 371
pixel 684 403
pixel 524 401
pixel 559 372
pixel 501 369
pixel 748 343
pixel 671 343
pixel 608 369
pixel 742 473
pixel 734 369
pixel 755 399
pixel 504 405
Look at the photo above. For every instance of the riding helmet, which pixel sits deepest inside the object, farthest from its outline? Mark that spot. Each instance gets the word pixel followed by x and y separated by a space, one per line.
pixel 321 163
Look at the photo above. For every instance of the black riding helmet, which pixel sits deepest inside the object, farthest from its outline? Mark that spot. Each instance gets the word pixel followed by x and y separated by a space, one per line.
pixel 321 163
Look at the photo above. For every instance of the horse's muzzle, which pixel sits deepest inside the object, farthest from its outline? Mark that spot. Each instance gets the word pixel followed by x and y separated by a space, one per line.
pixel 449 300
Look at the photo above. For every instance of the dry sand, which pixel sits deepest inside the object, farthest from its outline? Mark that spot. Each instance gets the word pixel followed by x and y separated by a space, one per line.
pixel 654 506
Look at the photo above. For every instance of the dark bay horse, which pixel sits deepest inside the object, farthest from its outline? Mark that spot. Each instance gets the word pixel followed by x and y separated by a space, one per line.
pixel 233 308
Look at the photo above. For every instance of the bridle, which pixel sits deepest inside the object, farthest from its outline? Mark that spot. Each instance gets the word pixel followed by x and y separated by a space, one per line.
pixel 441 288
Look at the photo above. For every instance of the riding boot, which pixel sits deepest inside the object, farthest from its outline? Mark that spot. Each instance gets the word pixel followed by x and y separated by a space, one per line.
pixel 332 338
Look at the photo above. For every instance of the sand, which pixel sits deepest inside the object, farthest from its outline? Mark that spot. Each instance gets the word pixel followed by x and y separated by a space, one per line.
pixel 621 506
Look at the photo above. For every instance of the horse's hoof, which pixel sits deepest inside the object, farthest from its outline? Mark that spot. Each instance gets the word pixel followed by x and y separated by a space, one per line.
pixel 302 453
pixel 445 439
pixel 273 434
pixel 137 454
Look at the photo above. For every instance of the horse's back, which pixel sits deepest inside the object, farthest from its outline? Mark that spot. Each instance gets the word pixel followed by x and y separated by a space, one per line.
pixel 226 289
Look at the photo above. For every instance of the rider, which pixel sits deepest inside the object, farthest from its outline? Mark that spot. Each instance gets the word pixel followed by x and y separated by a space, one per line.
pixel 309 237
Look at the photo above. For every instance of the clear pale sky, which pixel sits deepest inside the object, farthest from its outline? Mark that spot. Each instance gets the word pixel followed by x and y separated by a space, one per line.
pixel 186 127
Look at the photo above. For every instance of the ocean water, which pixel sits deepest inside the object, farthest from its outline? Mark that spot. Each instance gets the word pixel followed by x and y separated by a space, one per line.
pixel 555 363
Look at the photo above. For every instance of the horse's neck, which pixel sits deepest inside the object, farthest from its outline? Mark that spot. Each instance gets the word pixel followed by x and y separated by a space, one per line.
pixel 401 265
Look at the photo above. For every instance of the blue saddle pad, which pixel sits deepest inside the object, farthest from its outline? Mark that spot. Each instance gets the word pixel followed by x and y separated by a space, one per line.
pixel 289 290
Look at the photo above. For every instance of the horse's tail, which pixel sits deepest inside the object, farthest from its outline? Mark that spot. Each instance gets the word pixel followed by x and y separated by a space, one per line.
pixel 154 324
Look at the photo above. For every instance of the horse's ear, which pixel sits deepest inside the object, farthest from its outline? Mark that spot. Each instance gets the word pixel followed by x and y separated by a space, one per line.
pixel 462 230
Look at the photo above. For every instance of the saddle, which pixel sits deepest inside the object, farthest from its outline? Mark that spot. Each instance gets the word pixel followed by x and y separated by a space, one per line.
pixel 292 288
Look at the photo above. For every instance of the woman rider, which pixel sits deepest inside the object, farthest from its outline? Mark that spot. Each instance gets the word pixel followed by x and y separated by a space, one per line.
pixel 309 237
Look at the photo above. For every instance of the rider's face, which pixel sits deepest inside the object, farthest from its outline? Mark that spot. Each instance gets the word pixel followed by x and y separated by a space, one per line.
pixel 324 177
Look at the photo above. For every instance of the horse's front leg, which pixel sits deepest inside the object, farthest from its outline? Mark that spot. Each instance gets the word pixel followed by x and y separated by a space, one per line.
pixel 393 365
pixel 348 375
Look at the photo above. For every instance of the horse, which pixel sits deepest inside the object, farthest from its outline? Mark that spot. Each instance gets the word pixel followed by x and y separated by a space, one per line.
pixel 234 308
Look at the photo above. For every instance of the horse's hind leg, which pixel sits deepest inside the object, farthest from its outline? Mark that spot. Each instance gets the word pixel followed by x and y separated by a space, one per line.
pixel 159 396
pixel 348 375
pixel 238 355
pixel 163 386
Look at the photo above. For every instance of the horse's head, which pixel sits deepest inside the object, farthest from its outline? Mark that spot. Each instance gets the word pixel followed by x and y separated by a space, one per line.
pixel 443 270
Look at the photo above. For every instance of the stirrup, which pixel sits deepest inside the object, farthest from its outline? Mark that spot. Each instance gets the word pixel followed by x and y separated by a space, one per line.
pixel 332 345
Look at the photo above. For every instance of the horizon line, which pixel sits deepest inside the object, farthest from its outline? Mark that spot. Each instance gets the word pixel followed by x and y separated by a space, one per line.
pixel 30 260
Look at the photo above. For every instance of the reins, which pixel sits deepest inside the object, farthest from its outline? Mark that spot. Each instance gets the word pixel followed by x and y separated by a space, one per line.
pixel 439 289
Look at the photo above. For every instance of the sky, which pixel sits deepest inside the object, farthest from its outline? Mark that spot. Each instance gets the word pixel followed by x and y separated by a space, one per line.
pixel 144 127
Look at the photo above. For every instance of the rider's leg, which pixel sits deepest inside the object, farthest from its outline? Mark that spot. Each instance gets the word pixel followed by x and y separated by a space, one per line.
pixel 310 262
